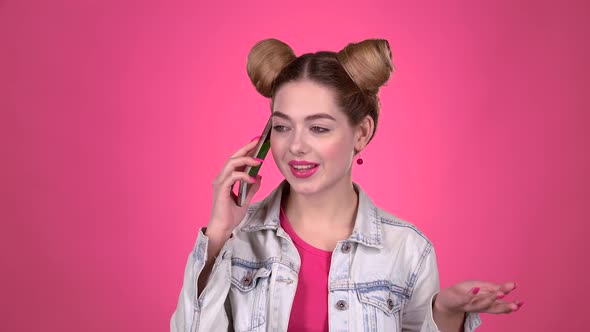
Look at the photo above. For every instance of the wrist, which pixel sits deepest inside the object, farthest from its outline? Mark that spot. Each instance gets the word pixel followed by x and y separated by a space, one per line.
pixel 212 231
pixel 441 309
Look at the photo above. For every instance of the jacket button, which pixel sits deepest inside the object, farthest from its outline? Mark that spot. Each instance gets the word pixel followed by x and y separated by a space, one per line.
pixel 346 247
pixel 390 304
pixel 247 280
pixel 341 305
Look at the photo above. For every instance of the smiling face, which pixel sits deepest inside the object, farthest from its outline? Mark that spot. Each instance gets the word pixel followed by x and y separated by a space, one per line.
pixel 312 139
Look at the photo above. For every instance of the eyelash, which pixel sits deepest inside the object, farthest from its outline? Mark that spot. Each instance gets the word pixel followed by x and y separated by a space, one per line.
pixel 315 129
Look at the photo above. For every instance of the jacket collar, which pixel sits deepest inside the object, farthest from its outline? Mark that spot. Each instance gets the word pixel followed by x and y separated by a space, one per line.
pixel 367 226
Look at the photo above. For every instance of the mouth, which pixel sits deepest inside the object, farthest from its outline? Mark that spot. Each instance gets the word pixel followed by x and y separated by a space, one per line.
pixel 302 167
pixel 303 171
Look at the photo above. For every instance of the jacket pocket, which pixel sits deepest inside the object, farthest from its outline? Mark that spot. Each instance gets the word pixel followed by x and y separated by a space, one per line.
pixel 381 308
pixel 248 295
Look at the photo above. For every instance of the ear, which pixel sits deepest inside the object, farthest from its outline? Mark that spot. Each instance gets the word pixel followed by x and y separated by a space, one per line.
pixel 363 133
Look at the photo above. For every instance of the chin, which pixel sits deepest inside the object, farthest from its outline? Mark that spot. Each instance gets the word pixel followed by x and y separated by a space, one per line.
pixel 305 187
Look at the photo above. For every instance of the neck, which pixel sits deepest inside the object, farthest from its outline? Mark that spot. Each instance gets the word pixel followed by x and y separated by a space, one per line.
pixel 333 207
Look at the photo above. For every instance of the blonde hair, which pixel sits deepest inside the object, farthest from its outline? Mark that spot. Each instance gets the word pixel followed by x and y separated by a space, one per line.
pixel 356 73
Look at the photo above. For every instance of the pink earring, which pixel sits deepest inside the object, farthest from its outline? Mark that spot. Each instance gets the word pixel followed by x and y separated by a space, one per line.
pixel 359 160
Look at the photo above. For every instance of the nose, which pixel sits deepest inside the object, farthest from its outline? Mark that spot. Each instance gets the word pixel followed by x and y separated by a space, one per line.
pixel 298 145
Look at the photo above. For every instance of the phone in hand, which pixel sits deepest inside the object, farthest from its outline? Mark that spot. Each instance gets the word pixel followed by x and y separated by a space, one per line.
pixel 260 151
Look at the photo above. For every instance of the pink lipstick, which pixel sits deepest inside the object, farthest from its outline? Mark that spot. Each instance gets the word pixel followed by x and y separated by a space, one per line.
pixel 303 169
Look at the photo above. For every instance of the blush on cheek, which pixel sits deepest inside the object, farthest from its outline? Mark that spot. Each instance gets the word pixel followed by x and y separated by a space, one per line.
pixel 277 149
pixel 275 146
pixel 335 159
pixel 336 153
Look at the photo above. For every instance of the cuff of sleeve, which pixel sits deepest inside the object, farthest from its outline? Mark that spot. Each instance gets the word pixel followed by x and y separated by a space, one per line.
pixel 200 248
pixel 429 325
pixel 472 320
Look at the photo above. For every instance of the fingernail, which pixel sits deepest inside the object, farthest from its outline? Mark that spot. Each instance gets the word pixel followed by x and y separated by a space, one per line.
pixel 500 296
pixel 258 160
pixel 253 179
pixel 476 290
pixel 255 138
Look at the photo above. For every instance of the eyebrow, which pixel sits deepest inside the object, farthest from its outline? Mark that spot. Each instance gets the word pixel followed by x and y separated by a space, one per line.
pixel 307 118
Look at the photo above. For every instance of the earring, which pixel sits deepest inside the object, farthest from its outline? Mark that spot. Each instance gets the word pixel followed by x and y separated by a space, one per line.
pixel 360 159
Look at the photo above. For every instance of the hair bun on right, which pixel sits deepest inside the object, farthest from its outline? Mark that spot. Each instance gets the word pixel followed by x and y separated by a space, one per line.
pixel 368 63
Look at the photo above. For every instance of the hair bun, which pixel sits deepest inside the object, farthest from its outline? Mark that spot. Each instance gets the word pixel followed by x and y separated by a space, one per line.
pixel 265 61
pixel 368 63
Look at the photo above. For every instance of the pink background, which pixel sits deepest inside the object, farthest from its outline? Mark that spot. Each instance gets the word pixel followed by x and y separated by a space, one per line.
pixel 116 116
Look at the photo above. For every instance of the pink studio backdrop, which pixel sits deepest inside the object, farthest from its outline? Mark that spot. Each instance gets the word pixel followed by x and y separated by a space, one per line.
pixel 117 115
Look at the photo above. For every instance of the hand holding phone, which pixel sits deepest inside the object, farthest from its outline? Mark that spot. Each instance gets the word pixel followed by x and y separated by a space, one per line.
pixel 228 210
pixel 260 152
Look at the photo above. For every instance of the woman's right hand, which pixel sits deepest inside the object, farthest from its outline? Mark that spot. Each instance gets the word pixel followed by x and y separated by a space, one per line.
pixel 226 214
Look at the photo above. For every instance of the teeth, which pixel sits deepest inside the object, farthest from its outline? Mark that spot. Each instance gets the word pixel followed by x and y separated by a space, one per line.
pixel 303 166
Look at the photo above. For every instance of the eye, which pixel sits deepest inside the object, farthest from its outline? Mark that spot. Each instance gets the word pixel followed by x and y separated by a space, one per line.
pixel 319 130
pixel 279 128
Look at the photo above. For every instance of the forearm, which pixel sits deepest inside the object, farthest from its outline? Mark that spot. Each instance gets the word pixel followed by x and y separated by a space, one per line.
pixel 216 241
pixel 447 321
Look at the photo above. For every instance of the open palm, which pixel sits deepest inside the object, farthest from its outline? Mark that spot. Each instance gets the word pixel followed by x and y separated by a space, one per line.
pixel 477 296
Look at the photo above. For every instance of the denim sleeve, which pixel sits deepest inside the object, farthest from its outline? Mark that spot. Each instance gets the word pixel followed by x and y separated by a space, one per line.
pixel 207 312
pixel 472 321
pixel 418 315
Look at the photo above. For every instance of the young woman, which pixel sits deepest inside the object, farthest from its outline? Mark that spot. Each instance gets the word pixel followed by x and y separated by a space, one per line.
pixel 317 254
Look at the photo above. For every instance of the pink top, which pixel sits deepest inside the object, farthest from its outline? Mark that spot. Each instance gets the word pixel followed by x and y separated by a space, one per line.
pixel 310 306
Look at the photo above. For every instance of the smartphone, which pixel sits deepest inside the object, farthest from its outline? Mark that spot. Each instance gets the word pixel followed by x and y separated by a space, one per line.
pixel 260 151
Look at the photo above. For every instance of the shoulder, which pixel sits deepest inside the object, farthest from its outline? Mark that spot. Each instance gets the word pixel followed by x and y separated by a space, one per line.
pixel 399 233
pixel 412 249
pixel 393 223
pixel 386 229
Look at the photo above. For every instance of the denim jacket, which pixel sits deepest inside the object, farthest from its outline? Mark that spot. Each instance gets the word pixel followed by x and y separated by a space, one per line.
pixel 382 278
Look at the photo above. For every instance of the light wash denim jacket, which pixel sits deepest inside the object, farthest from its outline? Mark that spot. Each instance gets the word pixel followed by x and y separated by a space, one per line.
pixel 382 278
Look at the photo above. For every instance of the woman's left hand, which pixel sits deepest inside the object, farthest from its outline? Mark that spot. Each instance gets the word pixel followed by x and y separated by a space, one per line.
pixel 476 296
